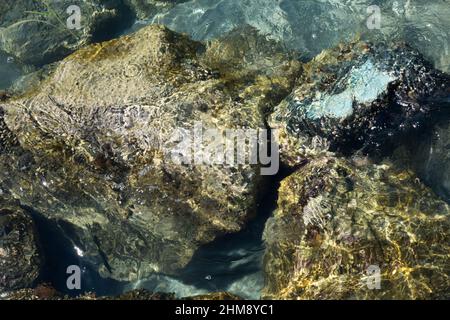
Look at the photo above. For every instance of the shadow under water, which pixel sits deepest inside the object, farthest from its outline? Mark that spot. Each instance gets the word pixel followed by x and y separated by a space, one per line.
pixel 231 263
pixel 60 253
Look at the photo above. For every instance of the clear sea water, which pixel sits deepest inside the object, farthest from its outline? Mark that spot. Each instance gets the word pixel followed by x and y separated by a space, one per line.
pixel 313 25
pixel 233 263
pixel 10 71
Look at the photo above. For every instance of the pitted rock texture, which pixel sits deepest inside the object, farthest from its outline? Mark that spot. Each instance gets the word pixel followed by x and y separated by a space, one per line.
pixel 359 97
pixel 21 258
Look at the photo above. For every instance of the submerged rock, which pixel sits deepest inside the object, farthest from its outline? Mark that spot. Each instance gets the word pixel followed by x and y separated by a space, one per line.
pixel 312 26
pixel 307 26
pixel 145 9
pixel 21 259
pixel 215 296
pixel 40 292
pixel 140 294
pixel 338 226
pixel 10 70
pixel 96 140
pixel 257 67
pixel 359 97
pixel 37 32
pixel 47 292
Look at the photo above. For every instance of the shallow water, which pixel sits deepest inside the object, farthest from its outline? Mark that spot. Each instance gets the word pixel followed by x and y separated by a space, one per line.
pixel 311 26
pixel 9 71
pixel 233 263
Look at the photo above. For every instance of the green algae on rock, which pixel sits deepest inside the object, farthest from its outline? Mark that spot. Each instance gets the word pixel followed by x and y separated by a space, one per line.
pixel 21 258
pixel 358 96
pixel 258 68
pixel 336 220
pixel 90 151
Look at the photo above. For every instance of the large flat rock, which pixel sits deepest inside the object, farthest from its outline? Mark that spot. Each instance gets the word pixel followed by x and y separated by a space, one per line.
pixel 93 147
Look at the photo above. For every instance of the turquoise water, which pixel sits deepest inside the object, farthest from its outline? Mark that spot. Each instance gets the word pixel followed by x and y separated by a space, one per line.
pixel 10 71
pixel 313 25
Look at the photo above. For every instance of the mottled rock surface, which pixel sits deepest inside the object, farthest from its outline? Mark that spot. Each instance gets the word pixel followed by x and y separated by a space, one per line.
pixel 93 142
pixel 21 258
pixel 359 96
pixel 336 221
pixel 215 296
pixel 257 68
